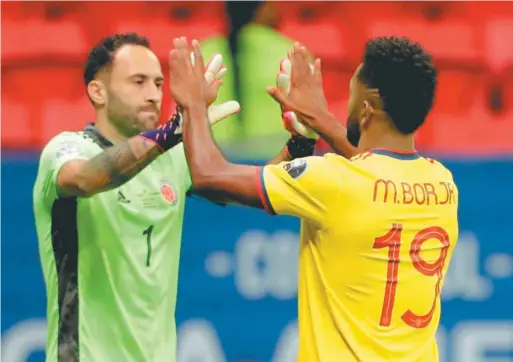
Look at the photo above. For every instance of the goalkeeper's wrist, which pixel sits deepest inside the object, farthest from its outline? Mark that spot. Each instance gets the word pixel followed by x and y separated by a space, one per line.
pixel 299 146
pixel 167 135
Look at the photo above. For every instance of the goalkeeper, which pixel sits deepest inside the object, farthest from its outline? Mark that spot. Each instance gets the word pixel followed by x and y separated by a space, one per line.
pixel 109 205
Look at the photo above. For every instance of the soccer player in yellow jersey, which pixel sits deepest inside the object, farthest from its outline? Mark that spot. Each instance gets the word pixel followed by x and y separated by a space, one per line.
pixel 378 229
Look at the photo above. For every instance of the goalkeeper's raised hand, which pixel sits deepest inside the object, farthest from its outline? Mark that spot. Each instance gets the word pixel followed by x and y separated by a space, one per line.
pixel 170 133
pixel 214 73
pixel 215 70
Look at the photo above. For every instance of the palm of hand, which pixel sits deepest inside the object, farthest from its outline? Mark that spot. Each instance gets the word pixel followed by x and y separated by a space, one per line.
pixel 308 98
pixel 187 82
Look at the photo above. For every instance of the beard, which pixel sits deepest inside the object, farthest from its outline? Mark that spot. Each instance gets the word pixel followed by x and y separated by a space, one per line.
pixel 353 131
pixel 131 120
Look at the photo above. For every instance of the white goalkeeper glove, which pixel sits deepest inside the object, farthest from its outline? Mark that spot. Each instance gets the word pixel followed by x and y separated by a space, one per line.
pixel 215 70
pixel 291 121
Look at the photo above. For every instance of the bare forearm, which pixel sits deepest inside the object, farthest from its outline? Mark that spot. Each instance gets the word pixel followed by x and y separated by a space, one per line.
pixel 203 156
pixel 211 173
pixel 116 165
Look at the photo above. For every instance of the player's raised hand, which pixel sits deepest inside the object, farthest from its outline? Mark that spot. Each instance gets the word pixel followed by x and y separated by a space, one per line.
pixel 306 98
pixel 187 80
pixel 290 120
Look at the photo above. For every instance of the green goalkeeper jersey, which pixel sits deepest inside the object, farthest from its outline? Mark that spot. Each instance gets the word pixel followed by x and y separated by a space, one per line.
pixel 110 261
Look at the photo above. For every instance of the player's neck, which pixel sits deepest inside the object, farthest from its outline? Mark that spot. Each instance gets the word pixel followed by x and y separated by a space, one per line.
pixel 109 131
pixel 389 141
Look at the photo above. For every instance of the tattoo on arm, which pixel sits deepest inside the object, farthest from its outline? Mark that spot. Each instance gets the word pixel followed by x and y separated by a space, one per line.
pixel 118 164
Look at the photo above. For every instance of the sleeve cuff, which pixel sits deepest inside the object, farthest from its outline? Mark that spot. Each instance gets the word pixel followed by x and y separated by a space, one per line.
pixel 262 191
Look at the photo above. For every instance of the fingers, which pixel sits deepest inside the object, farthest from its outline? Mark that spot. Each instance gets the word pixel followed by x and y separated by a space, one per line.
pixel 287 119
pixel 286 66
pixel 300 63
pixel 317 72
pixel 198 57
pixel 215 69
pixel 178 58
pixel 214 65
pixel 280 97
pixel 221 73
pixel 283 77
pixel 283 83
pixel 302 70
pixel 222 111
pixel 216 84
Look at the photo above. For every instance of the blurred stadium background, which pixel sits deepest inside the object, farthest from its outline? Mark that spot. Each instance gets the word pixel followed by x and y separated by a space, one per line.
pixel 237 295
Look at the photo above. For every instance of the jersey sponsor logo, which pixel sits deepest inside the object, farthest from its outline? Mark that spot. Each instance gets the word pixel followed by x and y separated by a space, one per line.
pixel 295 168
pixel 168 193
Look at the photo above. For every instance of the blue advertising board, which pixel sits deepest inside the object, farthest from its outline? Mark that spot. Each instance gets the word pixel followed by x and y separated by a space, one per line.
pixel 238 276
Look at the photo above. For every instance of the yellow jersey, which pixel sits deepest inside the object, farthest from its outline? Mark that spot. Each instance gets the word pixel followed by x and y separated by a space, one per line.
pixel 377 235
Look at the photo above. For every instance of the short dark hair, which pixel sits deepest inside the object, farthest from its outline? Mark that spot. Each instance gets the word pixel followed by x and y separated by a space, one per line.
pixel 405 76
pixel 102 54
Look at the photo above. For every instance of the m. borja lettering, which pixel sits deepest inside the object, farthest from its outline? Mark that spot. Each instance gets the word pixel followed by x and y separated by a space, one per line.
pixel 406 193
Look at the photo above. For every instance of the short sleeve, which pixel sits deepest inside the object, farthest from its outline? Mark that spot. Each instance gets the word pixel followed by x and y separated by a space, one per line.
pixel 61 149
pixel 180 166
pixel 303 188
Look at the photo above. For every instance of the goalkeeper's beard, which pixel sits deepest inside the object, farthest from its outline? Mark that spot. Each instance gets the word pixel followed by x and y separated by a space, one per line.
pixel 353 131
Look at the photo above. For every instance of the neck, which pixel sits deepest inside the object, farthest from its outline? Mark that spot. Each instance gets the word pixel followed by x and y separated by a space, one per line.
pixel 109 130
pixel 393 141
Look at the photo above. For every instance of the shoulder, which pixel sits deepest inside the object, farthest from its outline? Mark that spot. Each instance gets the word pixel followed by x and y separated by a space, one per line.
pixel 314 170
pixel 65 143
pixel 64 147
pixel 440 168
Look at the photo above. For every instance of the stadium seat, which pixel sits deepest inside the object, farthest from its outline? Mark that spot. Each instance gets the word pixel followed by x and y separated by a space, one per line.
pixel 313 25
pixel 457 91
pixel 41 42
pixel 457 51
pixel 42 33
pixel 498 40
pixel 453 44
pixel 16 122
pixel 163 21
pixel 100 15
pixel 64 114
pixel 481 135
pixel 44 85
pixel 481 130
pixel 481 12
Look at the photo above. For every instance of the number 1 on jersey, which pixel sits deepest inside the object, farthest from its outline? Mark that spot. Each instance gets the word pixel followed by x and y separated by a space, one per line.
pixel 148 232
pixel 392 240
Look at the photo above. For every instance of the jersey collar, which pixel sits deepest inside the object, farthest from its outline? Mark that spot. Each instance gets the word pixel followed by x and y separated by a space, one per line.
pixel 97 137
pixel 400 155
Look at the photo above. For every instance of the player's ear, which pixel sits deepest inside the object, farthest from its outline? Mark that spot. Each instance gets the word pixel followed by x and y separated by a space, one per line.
pixel 367 114
pixel 97 92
